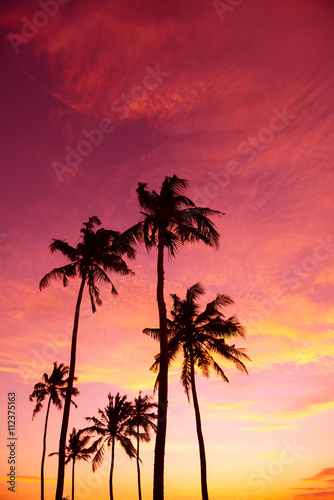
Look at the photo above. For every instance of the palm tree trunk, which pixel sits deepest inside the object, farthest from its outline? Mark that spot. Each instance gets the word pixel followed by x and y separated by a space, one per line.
pixel 138 464
pixel 44 448
pixel 112 468
pixel 159 452
pixel 202 457
pixel 66 414
pixel 73 478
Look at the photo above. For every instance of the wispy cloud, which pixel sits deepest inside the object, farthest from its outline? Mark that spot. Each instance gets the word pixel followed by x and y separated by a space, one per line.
pixel 324 475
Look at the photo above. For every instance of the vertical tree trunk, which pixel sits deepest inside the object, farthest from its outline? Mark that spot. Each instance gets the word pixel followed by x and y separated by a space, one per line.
pixel 44 448
pixel 159 452
pixel 66 414
pixel 202 457
pixel 138 465
pixel 73 478
pixel 112 468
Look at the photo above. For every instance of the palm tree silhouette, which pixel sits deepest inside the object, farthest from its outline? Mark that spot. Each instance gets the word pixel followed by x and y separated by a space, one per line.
pixel 113 425
pixel 97 253
pixel 53 387
pixel 170 219
pixel 198 335
pixel 142 423
pixel 76 450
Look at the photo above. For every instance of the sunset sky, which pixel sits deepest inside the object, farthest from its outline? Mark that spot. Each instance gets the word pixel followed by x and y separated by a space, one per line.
pixel 236 96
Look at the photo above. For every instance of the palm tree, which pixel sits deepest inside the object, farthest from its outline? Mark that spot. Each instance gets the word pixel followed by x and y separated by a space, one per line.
pixel 142 423
pixel 198 336
pixel 170 219
pixel 113 425
pixel 76 450
pixel 97 253
pixel 54 387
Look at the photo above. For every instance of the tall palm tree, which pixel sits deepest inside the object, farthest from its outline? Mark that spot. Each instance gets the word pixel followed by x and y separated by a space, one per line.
pixel 54 388
pixel 199 336
pixel 97 253
pixel 142 422
pixel 113 425
pixel 170 219
pixel 76 450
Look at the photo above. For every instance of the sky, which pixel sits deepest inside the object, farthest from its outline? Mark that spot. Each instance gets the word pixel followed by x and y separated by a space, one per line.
pixel 235 96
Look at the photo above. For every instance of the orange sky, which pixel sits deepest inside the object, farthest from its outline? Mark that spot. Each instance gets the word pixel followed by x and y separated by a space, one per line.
pixel 237 97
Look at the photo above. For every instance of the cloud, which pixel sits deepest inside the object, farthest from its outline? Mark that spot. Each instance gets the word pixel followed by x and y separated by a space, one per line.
pixel 275 420
pixel 233 406
pixel 268 428
pixel 324 475
pixel 318 495
pixel 31 479
pixel 9 370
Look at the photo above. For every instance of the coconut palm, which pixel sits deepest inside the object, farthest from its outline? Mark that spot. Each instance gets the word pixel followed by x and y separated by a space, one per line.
pixel 199 336
pixel 142 422
pixel 76 450
pixel 169 219
pixel 97 253
pixel 54 388
pixel 113 425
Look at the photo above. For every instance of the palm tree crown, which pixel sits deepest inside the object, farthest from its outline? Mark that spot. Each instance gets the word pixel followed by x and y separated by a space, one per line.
pixel 54 386
pixel 113 424
pixel 143 416
pixel 97 253
pixel 77 447
pixel 176 215
pixel 201 335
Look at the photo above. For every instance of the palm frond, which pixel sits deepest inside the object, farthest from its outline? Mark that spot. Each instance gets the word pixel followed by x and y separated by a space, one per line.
pixel 37 409
pixel 58 273
pixel 123 243
pixel 152 332
pixel 186 376
pixel 194 292
pixel 54 387
pixel 147 200
pixel 98 457
pixel 127 445
pixel 66 249
pixel 219 371
pixel 92 221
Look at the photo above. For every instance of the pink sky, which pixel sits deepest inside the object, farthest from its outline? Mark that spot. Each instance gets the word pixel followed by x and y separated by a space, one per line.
pixel 239 101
